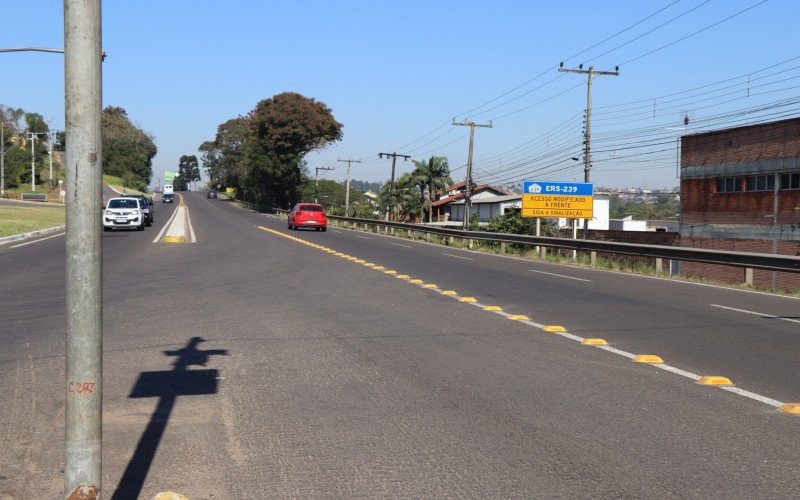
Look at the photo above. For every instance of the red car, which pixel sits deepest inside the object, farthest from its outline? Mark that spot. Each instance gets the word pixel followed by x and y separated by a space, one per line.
pixel 308 215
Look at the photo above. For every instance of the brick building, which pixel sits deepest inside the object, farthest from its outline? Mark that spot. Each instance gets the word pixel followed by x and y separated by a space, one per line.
pixel 740 191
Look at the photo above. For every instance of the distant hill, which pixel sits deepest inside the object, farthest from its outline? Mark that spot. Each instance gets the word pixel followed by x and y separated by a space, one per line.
pixel 365 186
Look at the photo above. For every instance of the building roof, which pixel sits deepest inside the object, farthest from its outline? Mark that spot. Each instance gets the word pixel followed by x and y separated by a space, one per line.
pixel 493 199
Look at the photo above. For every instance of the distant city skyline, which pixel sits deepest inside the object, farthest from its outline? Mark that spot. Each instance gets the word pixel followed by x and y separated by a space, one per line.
pixel 397 74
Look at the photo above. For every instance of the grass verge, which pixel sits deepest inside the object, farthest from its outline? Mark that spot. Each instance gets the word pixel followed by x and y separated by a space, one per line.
pixel 24 219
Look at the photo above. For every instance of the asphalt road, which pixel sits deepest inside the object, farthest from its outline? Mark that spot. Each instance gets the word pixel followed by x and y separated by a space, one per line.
pixel 252 365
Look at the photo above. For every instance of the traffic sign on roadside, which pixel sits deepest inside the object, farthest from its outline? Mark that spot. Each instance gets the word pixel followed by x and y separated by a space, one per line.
pixel 169 176
pixel 570 200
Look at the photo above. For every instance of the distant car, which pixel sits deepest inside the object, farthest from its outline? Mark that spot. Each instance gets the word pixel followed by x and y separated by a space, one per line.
pixel 168 189
pixel 167 198
pixel 148 207
pixel 308 215
pixel 123 213
pixel 211 194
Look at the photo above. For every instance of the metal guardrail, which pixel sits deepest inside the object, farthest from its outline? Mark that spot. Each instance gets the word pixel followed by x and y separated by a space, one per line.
pixel 751 260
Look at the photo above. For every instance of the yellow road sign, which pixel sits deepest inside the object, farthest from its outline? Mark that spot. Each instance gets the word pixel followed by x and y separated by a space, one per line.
pixel 570 207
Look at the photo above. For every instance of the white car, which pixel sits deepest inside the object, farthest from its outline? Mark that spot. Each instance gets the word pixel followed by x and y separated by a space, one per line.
pixel 123 212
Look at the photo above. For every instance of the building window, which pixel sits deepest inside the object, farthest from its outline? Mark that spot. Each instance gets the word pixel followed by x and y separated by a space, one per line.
pixel 761 182
pixel 790 181
pixel 729 184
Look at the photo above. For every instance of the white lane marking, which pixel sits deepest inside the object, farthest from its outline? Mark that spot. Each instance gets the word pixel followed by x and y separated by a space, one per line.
pixel 362 237
pixel 763 315
pixel 36 241
pixel 400 245
pixel 559 275
pixel 339 232
pixel 457 256
pixel 753 395
pixel 163 229
pixel 191 228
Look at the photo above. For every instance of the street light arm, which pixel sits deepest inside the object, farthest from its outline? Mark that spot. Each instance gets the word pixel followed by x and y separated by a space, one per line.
pixel 32 49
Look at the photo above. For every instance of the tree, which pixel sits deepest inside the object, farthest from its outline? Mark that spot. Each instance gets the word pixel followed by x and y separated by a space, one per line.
pixel 188 172
pixel 282 130
pixel 433 174
pixel 222 157
pixel 128 151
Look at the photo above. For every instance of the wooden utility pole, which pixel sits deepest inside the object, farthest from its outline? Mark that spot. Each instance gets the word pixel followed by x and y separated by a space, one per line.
pixel 468 190
pixel 391 208
pixel 347 189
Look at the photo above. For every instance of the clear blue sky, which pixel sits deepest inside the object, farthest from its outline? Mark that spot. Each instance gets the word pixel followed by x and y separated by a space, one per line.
pixel 394 71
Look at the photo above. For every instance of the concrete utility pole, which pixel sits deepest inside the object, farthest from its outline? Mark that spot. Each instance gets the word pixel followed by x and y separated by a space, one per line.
pixel 316 181
pixel 2 159
pixel 84 166
pixel 33 159
pixel 468 190
pixel 347 189
pixel 587 139
pixel 587 161
pixel 391 208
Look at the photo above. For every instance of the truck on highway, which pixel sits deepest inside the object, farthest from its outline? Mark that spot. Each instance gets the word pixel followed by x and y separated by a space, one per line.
pixel 168 189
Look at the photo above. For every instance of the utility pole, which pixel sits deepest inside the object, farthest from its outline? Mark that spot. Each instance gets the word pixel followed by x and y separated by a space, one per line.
pixel 587 139
pixel 316 181
pixel 2 159
pixel 50 152
pixel 33 162
pixel 468 190
pixel 587 160
pixel 391 208
pixel 83 386
pixel 347 189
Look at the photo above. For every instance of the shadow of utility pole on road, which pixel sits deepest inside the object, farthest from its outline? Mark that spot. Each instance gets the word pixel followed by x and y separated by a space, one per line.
pixel 167 386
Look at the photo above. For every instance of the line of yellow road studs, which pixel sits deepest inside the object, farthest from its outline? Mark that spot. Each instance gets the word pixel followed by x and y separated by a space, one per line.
pixel 711 380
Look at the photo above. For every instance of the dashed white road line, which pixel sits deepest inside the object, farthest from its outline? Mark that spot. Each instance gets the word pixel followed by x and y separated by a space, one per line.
pixel 36 241
pixel 457 256
pixel 400 245
pixel 559 275
pixel 362 237
pixel 755 313
pixel 338 232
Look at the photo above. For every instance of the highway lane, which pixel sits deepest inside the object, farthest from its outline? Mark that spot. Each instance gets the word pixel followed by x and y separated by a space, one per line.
pixel 339 380
pixel 749 337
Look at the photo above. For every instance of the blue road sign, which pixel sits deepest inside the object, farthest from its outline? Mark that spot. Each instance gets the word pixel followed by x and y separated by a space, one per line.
pixel 558 188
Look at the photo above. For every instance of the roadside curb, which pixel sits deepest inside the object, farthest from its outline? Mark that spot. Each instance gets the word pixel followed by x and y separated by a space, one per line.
pixel 32 234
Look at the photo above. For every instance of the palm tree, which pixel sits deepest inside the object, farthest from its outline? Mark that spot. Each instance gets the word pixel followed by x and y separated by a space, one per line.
pixel 433 174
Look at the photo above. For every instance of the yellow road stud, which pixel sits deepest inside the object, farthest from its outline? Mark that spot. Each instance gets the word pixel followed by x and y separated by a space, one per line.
pixel 390 271
pixel 416 281
pixel 468 299
pixel 554 329
pixel 518 317
pixel 648 358
pixel 493 308
pixel 715 380
pixel 359 261
pixel 402 276
pixel 793 408
pixel 449 292
pixel 594 342
pixel 430 285
pixel 379 268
